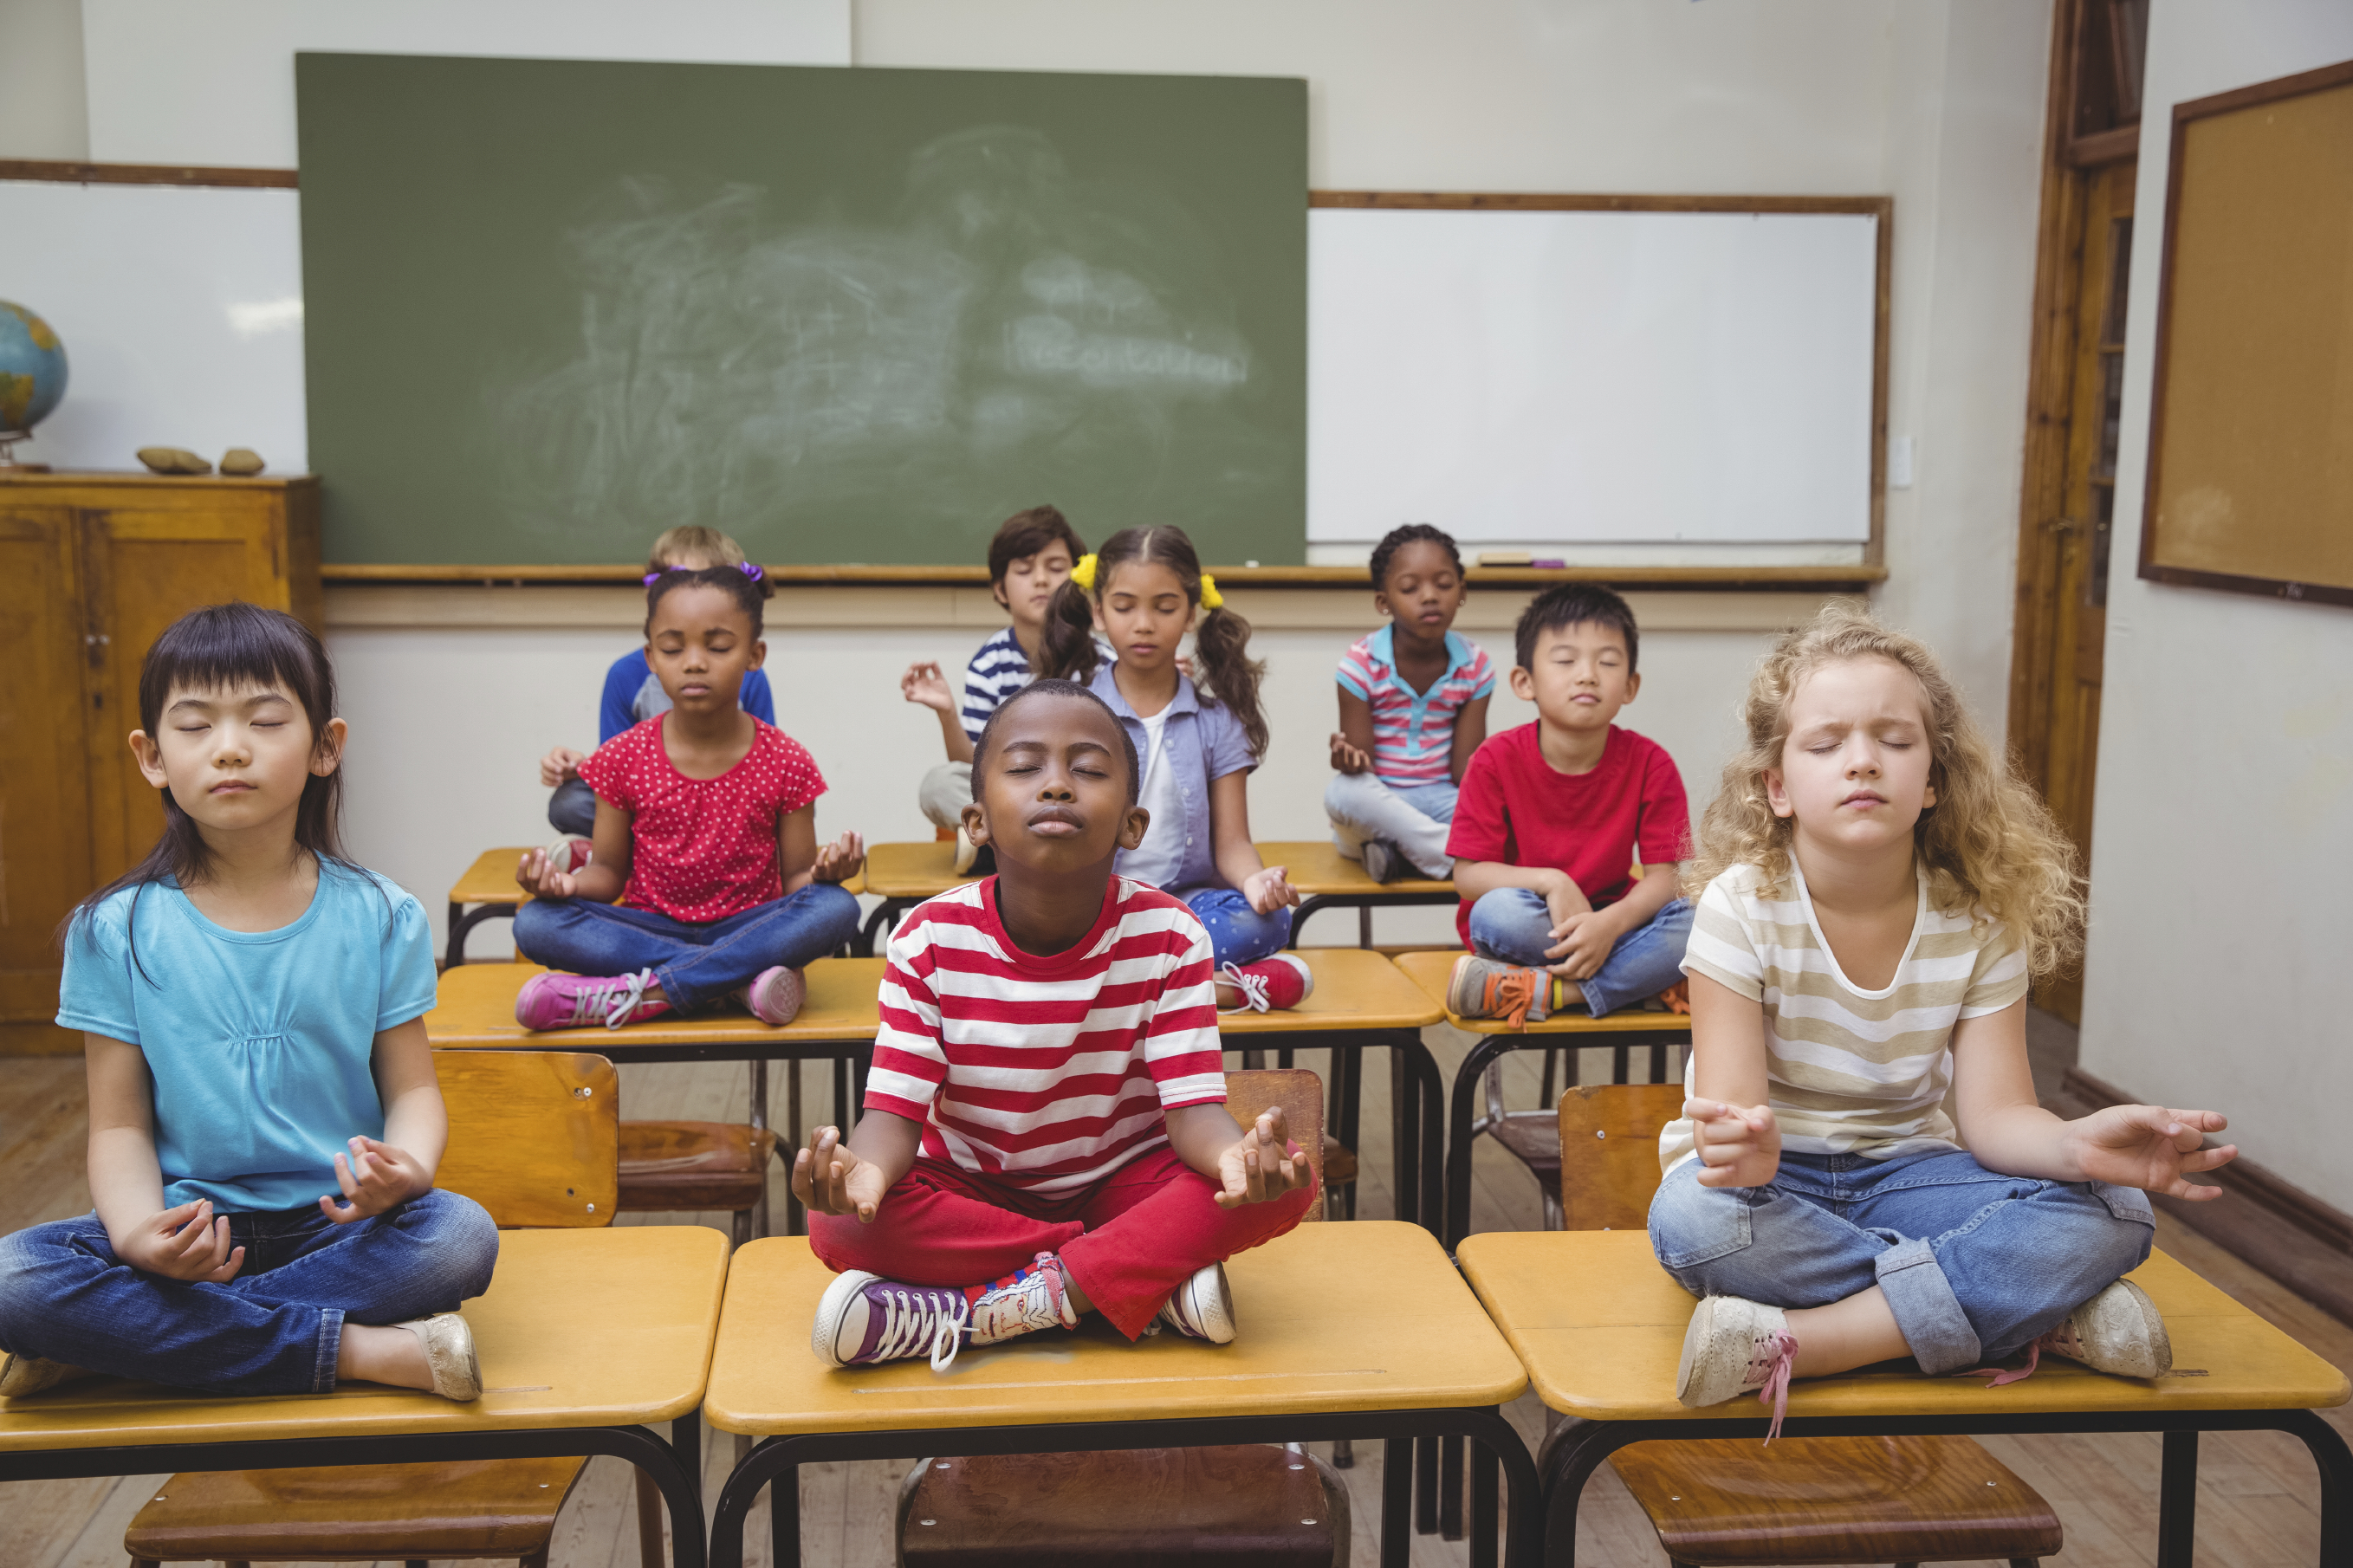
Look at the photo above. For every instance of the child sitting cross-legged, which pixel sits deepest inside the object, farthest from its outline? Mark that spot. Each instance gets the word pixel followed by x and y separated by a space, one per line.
pixel 1413 710
pixel 1046 1132
pixel 1552 818
pixel 706 833
pixel 1879 891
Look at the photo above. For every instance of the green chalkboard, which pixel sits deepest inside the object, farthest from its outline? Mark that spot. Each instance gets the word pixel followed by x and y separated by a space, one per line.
pixel 846 315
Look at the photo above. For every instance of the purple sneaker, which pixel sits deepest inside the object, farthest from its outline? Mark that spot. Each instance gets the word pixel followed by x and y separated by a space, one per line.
pixel 555 1001
pixel 775 995
pixel 864 1318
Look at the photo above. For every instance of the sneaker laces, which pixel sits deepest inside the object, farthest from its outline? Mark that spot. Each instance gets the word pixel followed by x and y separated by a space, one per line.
pixel 1252 987
pixel 1510 994
pixel 622 998
pixel 1023 1301
pixel 2060 1340
pixel 916 1322
pixel 1770 1361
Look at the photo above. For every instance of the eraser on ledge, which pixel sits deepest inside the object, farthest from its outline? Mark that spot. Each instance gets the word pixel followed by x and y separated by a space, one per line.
pixel 1505 558
pixel 1553 565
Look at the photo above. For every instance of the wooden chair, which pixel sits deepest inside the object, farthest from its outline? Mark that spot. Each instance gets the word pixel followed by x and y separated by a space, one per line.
pixel 1251 1505
pixel 1802 1499
pixel 534 1139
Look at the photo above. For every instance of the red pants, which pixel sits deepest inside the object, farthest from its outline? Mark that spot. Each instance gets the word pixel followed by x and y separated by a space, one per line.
pixel 1128 1241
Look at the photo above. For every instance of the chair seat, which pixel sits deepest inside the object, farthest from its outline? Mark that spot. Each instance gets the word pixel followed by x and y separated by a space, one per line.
pixel 1246 1504
pixel 474 1508
pixel 1719 1502
pixel 675 1166
pixel 1534 1138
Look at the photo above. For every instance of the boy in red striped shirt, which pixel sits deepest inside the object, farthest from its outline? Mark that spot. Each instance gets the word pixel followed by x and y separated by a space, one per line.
pixel 1045 1131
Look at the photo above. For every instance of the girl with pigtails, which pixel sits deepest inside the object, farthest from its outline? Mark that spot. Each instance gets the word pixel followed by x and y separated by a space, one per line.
pixel 1198 744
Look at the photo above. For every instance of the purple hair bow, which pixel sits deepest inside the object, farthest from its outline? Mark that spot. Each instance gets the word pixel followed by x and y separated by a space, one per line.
pixel 749 568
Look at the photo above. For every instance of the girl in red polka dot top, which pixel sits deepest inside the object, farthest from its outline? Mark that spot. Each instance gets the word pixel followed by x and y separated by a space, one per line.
pixel 707 879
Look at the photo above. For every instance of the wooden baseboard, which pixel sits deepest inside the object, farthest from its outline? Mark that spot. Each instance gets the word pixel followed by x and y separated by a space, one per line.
pixel 38 1040
pixel 2290 1235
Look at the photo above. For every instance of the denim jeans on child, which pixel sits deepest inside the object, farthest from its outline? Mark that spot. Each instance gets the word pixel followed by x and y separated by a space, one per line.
pixel 1514 925
pixel 273 1329
pixel 1238 934
pixel 573 808
pixel 1974 1264
pixel 694 963
pixel 1414 817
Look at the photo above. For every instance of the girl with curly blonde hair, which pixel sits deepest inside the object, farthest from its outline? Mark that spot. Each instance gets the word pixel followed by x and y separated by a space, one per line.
pixel 1874 893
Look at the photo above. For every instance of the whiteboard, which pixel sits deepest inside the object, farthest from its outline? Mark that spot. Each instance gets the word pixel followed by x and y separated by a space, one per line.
pixel 181 308
pixel 1567 377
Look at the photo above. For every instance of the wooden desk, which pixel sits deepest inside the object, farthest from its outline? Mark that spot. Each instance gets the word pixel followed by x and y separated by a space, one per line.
pixel 1620 1029
pixel 585 1337
pixel 1346 1331
pixel 837 1023
pixel 1599 1327
pixel 904 875
pixel 1328 879
pixel 1361 1000
pixel 488 893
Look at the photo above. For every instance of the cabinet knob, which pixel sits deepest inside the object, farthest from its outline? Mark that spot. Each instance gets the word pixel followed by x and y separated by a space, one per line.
pixel 96 639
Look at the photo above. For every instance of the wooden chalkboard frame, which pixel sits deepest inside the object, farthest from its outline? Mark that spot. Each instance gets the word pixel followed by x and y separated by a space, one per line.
pixel 1880 207
pixel 2186 113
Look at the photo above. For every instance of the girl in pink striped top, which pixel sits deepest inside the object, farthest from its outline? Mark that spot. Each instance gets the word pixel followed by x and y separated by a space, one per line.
pixel 1046 1132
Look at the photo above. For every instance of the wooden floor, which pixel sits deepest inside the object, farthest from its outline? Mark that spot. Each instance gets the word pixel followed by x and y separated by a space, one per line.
pixel 2257 1502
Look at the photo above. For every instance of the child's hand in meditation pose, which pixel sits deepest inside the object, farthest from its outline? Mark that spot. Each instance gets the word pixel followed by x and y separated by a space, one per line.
pixel 561 765
pixel 1263 1164
pixel 1740 1144
pixel 1269 889
pixel 2149 1147
pixel 840 860
pixel 537 876
pixel 925 685
pixel 189 1243
pixel 375 1177
pixel 1347 758
pixel 829 1178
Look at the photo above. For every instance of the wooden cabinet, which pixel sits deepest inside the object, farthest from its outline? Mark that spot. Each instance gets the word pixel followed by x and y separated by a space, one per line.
pixel 93 568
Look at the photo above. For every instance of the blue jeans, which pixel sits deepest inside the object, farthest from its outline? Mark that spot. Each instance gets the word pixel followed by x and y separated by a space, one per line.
pixel 694 963
pixel 1239 935
pixel 1974 1264
pixel 273 1329
pixel 1514 925
pixel 573 808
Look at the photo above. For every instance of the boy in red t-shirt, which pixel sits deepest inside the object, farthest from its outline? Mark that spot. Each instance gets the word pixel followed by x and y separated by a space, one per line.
pixel 1552 817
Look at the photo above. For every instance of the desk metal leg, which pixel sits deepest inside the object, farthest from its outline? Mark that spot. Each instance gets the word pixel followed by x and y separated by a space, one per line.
pixel 760 1124
pixel 1484 1472
pixel 2335 1461
pixel 1450 1488
pixel 1396 1502
pixel 796 1222
pixel 2177 1500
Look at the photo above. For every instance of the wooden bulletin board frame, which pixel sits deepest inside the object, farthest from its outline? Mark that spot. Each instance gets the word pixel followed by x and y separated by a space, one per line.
pixel 1880 207
pixel 2155 567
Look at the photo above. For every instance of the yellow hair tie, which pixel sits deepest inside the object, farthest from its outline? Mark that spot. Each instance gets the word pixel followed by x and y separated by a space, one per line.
pixel 1083 574
pixel 1210 598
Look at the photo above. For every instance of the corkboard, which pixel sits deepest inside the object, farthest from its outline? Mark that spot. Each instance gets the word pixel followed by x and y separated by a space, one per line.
pixel 2251 430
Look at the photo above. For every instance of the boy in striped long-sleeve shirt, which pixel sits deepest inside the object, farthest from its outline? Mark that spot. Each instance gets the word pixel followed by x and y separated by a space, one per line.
pixel 1045 1130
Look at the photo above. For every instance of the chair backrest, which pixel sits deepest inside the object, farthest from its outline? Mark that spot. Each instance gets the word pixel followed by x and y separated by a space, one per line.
pixel 1255 1090
pixel 1609 1151
pixel 534 1136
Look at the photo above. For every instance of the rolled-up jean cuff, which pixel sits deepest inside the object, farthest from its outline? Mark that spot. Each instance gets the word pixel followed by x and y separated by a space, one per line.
pixel 330 1345
pixel 1926 1311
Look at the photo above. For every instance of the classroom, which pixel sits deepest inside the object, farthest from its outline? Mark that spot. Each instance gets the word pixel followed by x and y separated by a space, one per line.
pixel 770 672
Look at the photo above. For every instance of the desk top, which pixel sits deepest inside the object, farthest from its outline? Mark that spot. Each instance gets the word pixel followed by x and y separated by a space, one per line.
pixel 1429 971
pixel 1362 1316
pixel 911 870
pixel 1600 1328
pixel 476 1012
pixel 1355 989
pixel 490 880
pixel 1318 869
pixel 580 1328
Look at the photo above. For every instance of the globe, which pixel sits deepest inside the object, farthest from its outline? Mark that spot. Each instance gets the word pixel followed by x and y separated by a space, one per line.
pixel 32 371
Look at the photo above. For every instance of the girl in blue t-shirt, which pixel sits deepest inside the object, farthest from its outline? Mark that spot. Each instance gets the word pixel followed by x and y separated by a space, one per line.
pixel 264 1122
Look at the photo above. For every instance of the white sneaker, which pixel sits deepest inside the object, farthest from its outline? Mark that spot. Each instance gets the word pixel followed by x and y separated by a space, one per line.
pixel 570 852
pixel 1732 1346
pixel 967 852
pixel 2117 1331
pixel 1200 1308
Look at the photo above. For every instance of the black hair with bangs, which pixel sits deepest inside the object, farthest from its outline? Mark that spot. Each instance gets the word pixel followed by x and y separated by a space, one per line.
pixel 1051 688
pixel 222 648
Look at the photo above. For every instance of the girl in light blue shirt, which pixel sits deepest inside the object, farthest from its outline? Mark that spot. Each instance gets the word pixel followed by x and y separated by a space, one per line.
pixel 264 1120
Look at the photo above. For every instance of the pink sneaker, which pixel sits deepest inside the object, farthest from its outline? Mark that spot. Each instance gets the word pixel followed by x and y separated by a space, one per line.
pixel 555 1001
pixel 775 995
pixel 1271 985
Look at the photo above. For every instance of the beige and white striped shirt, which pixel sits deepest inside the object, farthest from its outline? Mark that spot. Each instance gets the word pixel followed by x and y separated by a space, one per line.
pixel 1849 1071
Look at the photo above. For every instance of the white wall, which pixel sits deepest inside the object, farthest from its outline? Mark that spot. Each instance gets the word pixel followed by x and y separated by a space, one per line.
pixel 2225 807
pixel 1938 102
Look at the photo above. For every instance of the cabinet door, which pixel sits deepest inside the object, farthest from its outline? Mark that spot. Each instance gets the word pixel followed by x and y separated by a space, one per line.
pixel 143 567
pixel 44 861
